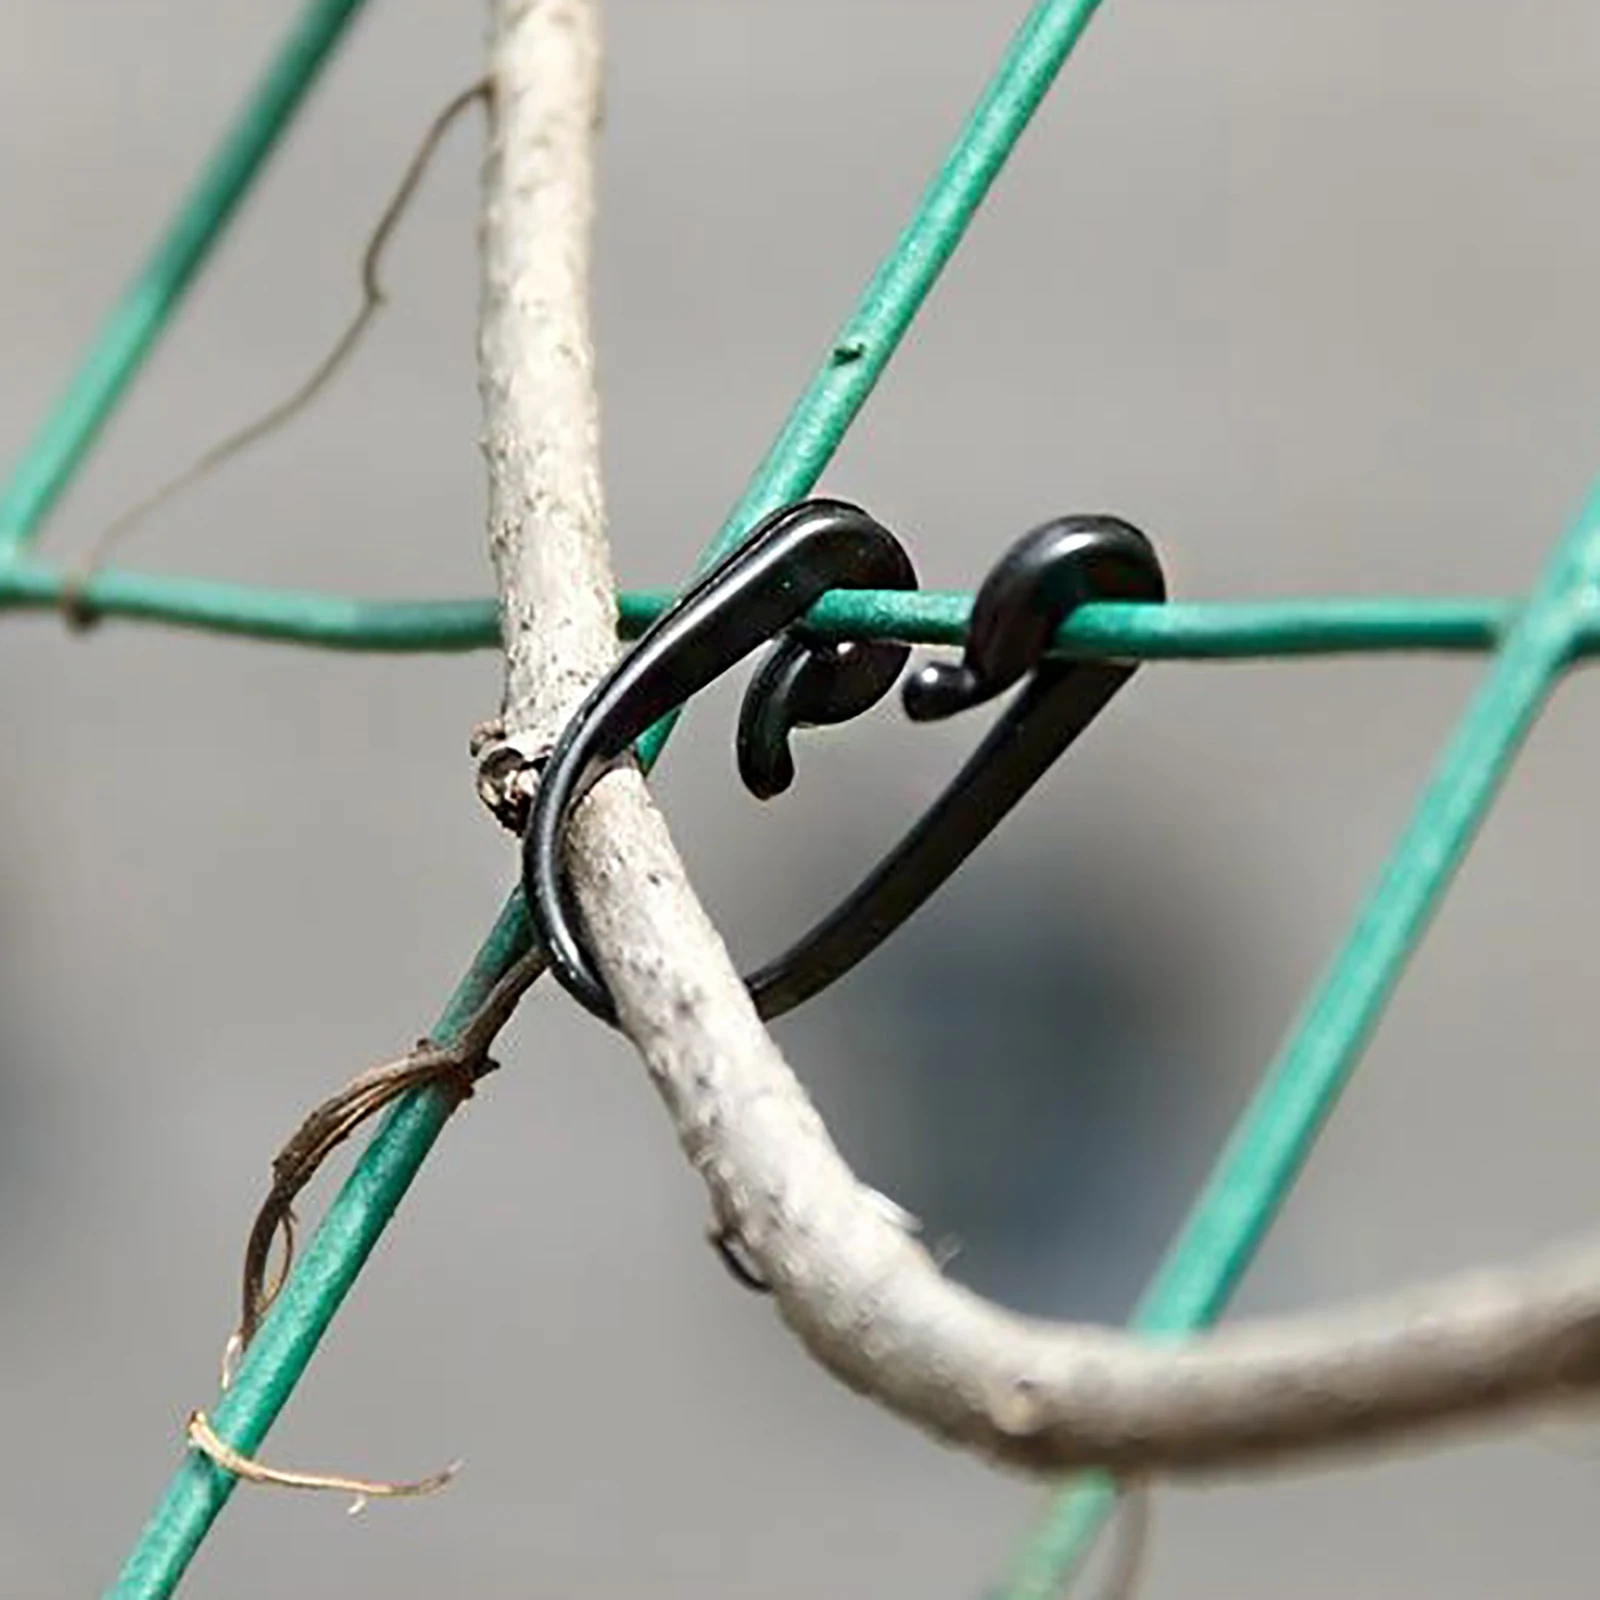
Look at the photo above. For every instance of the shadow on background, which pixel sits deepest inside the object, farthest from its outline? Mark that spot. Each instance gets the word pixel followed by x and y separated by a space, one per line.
pixel 1039 1080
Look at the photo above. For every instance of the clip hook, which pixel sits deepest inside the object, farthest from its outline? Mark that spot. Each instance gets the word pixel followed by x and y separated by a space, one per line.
pixel 1044 577
pixel 759 590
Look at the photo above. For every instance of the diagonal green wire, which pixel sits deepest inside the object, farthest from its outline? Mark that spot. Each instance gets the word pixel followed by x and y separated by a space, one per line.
pixel 822 416
pixel 1263 1157
pixel 820 419
pixel 334 1256
pixel 147 304
pixel 311 1298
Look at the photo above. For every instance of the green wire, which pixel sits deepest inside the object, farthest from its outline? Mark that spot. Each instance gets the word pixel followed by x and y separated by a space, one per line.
pixel 1268 1147
pixel 857 358
pixel 816 426
pixel 315 1291
pixel 325 1274
pixel 147 304
pixel 1177 631
pixel 329 621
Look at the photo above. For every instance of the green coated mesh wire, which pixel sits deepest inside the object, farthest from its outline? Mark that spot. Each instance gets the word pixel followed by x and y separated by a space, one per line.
pixel 1532 641
pixel 137 320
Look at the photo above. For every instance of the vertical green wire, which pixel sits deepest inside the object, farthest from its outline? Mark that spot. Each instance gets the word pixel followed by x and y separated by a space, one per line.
pixel 1230 1217
pixel 328 1268
pixel 147 304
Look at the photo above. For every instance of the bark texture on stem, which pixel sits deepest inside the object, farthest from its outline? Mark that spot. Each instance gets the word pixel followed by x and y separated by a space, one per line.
pixel 867 1300
pixel 871 1304
pixel 541 434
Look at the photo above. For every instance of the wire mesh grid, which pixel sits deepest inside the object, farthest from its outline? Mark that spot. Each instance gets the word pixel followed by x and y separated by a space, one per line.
pixel 1532 641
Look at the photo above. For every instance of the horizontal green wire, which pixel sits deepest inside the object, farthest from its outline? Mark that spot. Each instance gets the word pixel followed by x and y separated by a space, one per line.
pixel 1176 631
pixel 335 1254
pixel 1231 1216
pixel 147 304
pixel 280 615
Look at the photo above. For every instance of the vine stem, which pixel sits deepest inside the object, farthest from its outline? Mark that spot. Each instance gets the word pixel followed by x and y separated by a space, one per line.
pixel 864 1296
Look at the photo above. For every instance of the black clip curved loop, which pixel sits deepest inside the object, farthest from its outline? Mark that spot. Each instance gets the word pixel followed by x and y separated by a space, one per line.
pixel 790 561
pixel 1043 578
pixel 1028 594
pixel 809 682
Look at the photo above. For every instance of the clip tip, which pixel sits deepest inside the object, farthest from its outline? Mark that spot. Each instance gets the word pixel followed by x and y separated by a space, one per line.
pixel 940 689
pixel 766 766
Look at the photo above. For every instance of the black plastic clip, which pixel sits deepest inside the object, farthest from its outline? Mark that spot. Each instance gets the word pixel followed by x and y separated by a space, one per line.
pixel 764 588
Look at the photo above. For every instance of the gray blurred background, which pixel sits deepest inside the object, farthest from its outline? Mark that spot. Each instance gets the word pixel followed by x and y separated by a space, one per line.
pixel 1306 289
